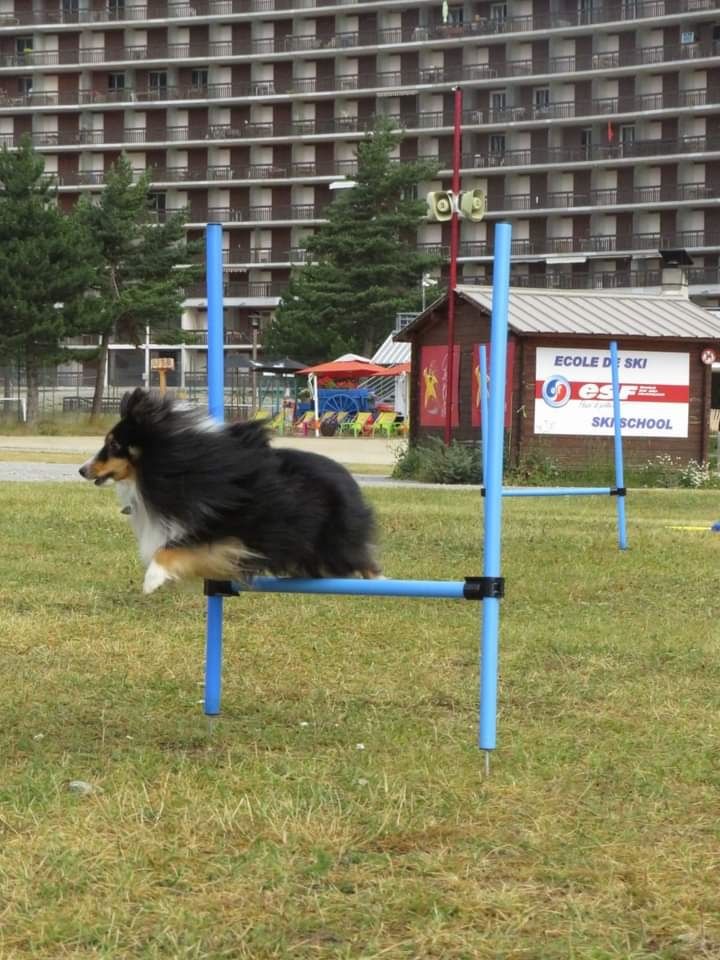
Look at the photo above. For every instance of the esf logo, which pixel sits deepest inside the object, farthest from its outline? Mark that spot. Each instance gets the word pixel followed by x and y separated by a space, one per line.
pixel 556 391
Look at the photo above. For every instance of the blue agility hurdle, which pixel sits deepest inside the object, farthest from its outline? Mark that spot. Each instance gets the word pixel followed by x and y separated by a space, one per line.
pixel 489 587
pixel 618 491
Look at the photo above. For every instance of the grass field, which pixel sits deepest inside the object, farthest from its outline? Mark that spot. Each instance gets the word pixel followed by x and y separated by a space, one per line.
pixel 338 808
pixel 59 425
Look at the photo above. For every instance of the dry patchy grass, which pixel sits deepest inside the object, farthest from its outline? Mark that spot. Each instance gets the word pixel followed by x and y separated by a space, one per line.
pixel 337 809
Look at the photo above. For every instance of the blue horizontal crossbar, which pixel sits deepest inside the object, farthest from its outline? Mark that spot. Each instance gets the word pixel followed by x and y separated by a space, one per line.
pixel 431 589
pixel 556 491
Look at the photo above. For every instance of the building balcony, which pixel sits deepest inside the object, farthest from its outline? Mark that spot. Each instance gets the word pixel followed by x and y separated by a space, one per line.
pixel 698 278
pixel 258 214
pixel 239 290
pixel 172 337
pixel 207 176
pixel 569 200
pixel 288 45
pixel 601 280
pixel 476 74
pixel 119 13
pixel 600 107
pixel 603 245
pixel 611 153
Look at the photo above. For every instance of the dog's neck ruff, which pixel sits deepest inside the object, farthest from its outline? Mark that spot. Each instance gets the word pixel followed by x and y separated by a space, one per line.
pixel 151 530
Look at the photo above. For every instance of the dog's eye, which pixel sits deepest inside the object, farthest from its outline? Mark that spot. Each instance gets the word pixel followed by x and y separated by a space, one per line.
pixel 114 448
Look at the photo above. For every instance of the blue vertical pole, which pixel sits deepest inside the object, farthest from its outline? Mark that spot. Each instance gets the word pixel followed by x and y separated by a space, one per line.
pixel 484 408
pixel 617 434
pixel 216 408
pixel 493 485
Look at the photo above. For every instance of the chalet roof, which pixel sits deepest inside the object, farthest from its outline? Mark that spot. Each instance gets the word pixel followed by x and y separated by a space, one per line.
pixel 591 313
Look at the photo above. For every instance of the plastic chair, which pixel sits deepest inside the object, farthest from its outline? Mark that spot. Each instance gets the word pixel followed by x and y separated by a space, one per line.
pixel 276 422
pixel 385 423
pixel 358 425
pixel 303 424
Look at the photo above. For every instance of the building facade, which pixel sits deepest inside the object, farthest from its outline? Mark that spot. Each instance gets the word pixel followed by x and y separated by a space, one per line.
pixel 592 125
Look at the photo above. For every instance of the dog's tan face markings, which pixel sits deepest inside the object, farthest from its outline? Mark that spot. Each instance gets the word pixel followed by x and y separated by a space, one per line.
pixel 109 463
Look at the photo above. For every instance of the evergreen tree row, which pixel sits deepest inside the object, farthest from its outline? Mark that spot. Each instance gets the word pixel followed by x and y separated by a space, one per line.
pixel 109 267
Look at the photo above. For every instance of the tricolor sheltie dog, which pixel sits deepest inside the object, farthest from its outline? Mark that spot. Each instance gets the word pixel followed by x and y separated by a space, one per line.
pixel 215 500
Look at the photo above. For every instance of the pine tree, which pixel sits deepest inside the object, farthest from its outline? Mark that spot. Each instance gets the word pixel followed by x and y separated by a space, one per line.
pixel 137 283
pixel 362 265
pixel 45 269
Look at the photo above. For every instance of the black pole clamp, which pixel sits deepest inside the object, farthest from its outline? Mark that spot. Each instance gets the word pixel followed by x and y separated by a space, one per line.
pixel 219 588
pixel 618 492
pixel 480 588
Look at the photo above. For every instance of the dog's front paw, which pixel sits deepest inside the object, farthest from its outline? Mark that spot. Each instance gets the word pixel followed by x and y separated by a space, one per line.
pixel 155 576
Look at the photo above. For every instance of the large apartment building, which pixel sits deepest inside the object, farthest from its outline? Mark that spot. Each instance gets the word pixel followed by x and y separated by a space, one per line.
pixel 593 126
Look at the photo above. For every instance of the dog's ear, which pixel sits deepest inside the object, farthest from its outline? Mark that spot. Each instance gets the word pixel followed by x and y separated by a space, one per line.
pixel 131 400
pixel 145 408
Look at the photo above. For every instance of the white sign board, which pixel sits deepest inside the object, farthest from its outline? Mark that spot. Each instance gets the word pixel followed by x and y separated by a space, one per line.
pixel 573 392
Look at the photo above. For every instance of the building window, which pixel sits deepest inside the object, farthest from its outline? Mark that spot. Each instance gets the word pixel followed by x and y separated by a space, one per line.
pixel 541 98
pixel 497 145
pixel 157 81
pixel 585 10
pixel 199 78
pixel 498 13
pixel 116 81
pixel 586 143
pixel 455 16
pixel 70 9
pixel 629 9
pixel 116 9
pixel 156 202
pixel 498 101
pixel 24 86
pixel 627 138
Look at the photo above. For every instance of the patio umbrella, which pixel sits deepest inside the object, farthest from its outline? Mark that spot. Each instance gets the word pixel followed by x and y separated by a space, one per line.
pixel 395 371
pixel 284 365
pixel 345 368
pixel 241 362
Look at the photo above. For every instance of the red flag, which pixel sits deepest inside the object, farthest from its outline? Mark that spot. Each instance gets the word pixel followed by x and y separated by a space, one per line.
pixel 610 132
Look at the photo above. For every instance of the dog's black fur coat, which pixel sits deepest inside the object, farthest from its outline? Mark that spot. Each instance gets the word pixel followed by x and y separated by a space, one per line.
pixel 302 513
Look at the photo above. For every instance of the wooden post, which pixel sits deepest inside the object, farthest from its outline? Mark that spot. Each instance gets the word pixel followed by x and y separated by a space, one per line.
pixel 162 365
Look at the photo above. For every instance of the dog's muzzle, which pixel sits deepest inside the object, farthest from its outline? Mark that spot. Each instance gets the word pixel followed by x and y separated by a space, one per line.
pixel 85 473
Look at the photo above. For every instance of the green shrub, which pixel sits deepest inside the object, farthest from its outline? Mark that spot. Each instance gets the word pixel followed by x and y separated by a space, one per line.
pixel 534 470
pixel 48 428
pixel 432 462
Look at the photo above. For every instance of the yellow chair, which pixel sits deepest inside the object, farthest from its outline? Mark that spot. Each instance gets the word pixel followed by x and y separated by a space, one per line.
pixel 385 423
pixel 357 426
pixel 304 423
pixel 276 423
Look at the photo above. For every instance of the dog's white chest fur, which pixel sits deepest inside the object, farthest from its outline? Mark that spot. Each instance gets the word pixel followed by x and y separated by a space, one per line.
pixel 151 531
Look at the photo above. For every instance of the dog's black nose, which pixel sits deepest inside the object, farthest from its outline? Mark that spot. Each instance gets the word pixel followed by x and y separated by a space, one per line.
pixel 83 471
